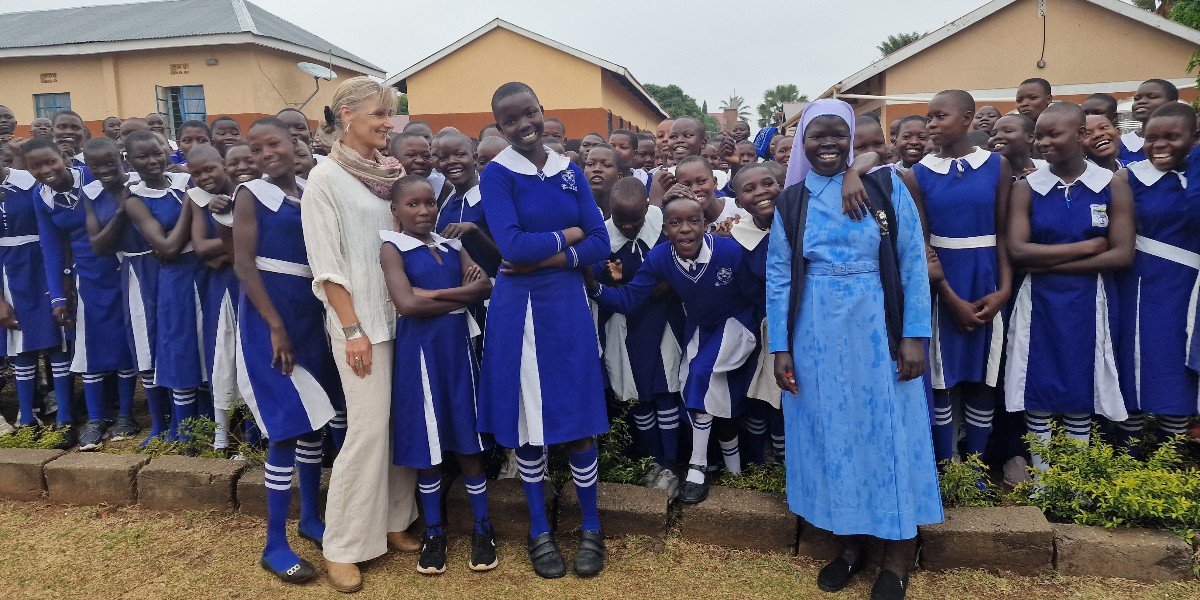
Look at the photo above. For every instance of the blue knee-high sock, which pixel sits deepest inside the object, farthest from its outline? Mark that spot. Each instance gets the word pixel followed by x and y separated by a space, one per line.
pixel 253 434
pixel 778 438
pixel 183 402
pixel 94 388
pixel 204 402
pixel 126 383
pixel 667 409
pixel 645 433
pixel 281 458
pixel 477 492
pixel 1170 426
pixel 586 473
pixel 310 451
pixel 24 368
pixel 978 408
pixel 60 371
pixel 1128 430
pixel 158 404
pixel 337 429
pixel 943 426
pixel 531 462
pixel 753 436
pixel 430 489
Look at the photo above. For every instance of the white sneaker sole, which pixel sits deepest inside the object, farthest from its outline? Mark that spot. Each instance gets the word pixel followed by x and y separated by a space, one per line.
pixel 431 570
pixel 478 568
pixel 90 447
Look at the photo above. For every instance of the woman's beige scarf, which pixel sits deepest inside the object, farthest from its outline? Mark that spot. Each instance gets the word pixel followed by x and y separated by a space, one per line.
pixel 378 174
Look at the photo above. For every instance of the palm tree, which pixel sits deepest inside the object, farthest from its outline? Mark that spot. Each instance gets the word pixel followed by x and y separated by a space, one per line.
pixel 773 101
pixel 738 105
pixel 896 42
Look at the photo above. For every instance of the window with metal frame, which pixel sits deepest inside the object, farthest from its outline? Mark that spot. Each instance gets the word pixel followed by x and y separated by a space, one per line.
pixel 45 105
pixel 180 103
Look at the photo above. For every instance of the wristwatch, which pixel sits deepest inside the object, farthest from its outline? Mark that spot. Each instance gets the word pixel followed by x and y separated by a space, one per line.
pixel 353 332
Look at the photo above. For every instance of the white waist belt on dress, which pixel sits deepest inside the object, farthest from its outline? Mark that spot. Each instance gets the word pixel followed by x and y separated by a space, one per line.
pixel 1166 251
pixel 472 327
pixel 963 243
pixel 18 240
pixel 125 255
pixel 273 265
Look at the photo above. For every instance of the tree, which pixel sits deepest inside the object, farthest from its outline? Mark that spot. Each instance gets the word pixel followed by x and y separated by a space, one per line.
pixel 773 101
pixel 402 105
pixel 896 42
pixel 738 105
pixel 678 104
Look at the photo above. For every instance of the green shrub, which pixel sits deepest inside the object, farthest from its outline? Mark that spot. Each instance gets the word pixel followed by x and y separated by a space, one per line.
pixel 759 478
pixel 1098 484
pixel 959 482
pixel 615 462
pixel 35 437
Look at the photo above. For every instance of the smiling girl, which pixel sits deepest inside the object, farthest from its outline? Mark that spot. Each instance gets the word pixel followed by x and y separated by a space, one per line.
pixel 1152 94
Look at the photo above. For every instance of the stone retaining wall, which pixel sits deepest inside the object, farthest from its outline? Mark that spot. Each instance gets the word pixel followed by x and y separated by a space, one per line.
pixel 1017 539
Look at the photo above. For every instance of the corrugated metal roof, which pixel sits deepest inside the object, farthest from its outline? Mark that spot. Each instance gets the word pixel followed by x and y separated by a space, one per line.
pixel 155 20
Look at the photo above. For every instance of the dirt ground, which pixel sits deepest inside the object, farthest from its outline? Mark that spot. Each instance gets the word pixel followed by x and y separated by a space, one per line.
pixel 54 552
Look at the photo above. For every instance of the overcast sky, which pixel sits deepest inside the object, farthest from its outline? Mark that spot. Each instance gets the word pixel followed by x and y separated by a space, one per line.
pixel 706 47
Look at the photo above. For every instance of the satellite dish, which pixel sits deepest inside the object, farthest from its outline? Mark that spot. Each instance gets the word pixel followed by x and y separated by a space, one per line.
pixel 317 71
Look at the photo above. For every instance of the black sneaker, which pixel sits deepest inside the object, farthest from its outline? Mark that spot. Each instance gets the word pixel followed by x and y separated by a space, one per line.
pixel 93 435
pixel 483 549
pixel 124 428
pixel 69 438
pixel 433 555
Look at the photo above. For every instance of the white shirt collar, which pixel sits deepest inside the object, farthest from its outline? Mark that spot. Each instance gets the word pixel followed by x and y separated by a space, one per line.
pixel 746 233
pixel 1148 174
pixel 48 194
pixel 513 161
pixel 649 233
pixel 1095 177
pixel 20 179
pixel 472 197
pixel 941 166
pixel 406 242
pixel 703 258
pixel 178 183
pixel 269 194
pixel 200 197
pixel 1132 141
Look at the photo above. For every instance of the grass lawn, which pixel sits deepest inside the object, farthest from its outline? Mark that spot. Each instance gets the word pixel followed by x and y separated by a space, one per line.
pixel 54 552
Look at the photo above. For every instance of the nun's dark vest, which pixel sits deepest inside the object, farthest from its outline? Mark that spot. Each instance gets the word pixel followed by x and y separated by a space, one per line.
pixel 793 212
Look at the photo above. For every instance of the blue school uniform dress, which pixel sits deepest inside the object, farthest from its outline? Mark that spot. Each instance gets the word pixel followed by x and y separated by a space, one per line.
pixel 466 208
pixel 541 381
pixel 435 370
pixel 960 205
pixel 23 278
pixel 1156 294
pixel 1131 148
pixel 1061 356
pixel 754 241
pixel 642 350
pixel 718 292
pixel 178 349
pixel 100 342
pixel 218 303
pixel 285 406
pixel 859 448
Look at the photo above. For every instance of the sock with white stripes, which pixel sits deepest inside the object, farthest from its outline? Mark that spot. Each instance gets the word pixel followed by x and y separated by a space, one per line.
pixel 667 408
pixel 701 429
pixel 1170 426
pixel 943 426
pixel 586 472
pixel 183 408
pixel 645 433
pixel 1129 431
pixel 94 394
pixel 310 451
pixel 979 406
pixel 477 492
pixel 337 429
pixel 778 438
pixel 1038 423
pixel 60 370
pixel 531 463
pixel 731 455
pixel 429 486
pixel 158 404
pixel 1078 427
pixel 126 384
pixel 753 437
pixel 24 367
pixel 281 460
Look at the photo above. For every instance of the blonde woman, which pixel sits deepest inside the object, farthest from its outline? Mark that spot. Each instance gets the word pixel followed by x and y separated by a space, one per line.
pixel 345 206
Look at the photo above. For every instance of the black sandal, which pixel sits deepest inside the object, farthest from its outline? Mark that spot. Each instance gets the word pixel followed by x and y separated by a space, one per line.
pixel 299 573
pixel 589 559
pixel 889 586
pixel 837 574
pixel 547 560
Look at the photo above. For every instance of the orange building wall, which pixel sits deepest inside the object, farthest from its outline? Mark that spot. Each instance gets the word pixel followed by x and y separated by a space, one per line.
pixel 579 121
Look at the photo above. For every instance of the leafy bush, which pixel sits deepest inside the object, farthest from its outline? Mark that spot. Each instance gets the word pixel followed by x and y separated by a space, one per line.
pixel 768 478
pixel 33 436
pixel 1098 484
pixel 960 482
pixel 616 463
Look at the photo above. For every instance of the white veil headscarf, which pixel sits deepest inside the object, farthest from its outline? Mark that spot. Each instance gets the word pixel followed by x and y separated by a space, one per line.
pixel 798 166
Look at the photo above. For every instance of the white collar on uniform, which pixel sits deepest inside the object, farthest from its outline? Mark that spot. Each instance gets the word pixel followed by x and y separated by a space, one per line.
pixel 269 194
pixel 649 233
pixel 941 166
pixel 472 197
pixel 1148 174
pixel 20 179
pixel 48 194
pixel 93 189
pixel 1095 177
pixel 1132 141
pixel 746 233
pixel 200 197
pixel 406 242
pixel 178 181
pixel 641 175
pixel 512 160
pixel 703 258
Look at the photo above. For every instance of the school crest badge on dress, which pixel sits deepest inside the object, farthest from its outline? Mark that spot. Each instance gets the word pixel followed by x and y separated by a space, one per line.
pixel 568 177
pixel 724 276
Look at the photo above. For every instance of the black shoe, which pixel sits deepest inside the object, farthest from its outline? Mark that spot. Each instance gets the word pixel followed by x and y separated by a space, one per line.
pixel 483 549
pixel 589 558
pixel 315 540
pixel 547 560
pixel 299 573
pixel 889 586
pixel 124 428
pixel 69 437
pixel 694 493
pixel 433 554
pixel 837 574
pixel 93 435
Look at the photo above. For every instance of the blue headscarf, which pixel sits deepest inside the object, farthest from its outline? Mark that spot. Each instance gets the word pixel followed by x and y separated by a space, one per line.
pixel 762 141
